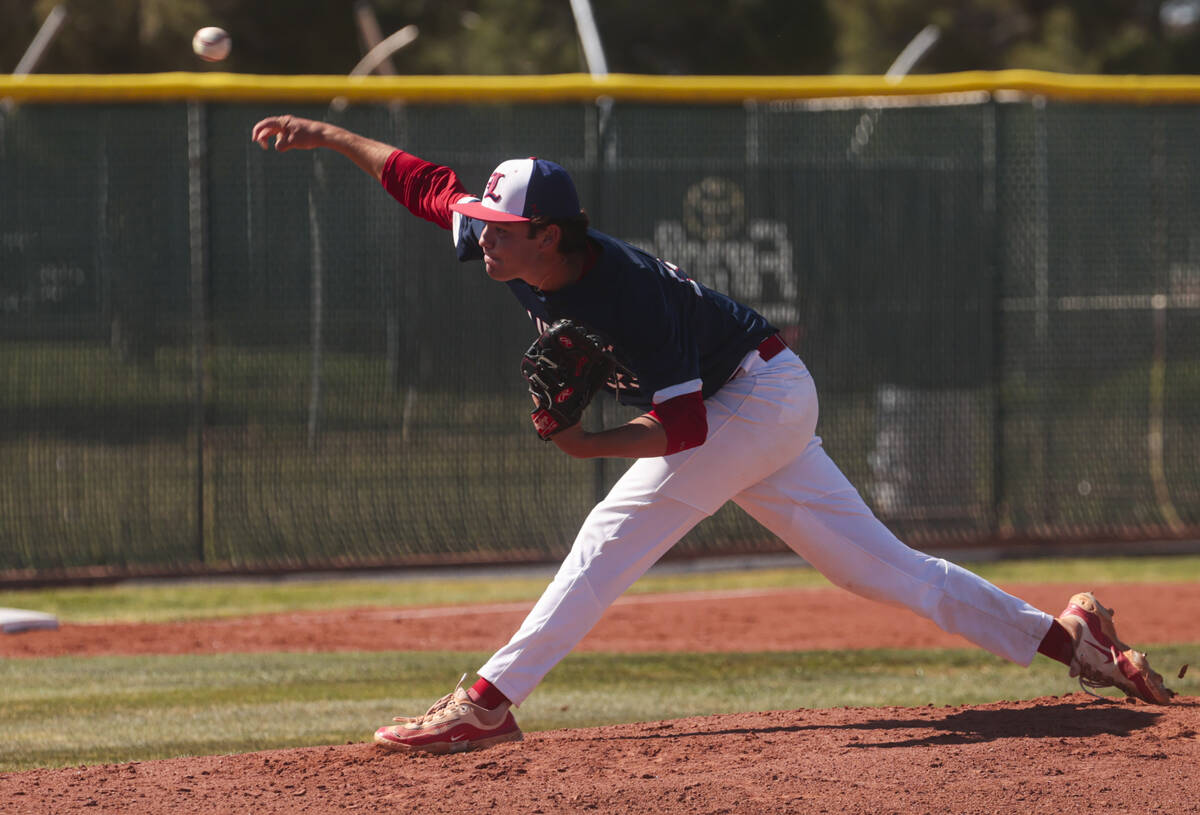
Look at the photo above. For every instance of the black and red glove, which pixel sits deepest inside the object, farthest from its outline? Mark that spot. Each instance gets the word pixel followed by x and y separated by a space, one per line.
pixel 565 367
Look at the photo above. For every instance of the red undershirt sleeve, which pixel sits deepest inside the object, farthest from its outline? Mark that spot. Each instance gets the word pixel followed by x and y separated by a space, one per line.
pixel 427 189
pixel 685 421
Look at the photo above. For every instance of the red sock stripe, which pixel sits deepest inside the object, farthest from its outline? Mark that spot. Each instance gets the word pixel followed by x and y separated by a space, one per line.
pixel 485 694
pixel 1057 644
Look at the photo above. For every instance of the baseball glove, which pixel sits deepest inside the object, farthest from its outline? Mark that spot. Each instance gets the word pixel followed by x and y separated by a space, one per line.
pixel 565 367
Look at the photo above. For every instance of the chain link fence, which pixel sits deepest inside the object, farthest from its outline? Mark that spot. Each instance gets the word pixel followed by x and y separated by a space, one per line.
pixel 218 358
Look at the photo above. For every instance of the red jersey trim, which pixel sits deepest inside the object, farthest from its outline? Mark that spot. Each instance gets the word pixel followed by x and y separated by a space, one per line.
pixel 685 421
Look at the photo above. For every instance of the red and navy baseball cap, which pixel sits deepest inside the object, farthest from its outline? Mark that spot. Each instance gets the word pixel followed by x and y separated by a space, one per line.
pixel 524 188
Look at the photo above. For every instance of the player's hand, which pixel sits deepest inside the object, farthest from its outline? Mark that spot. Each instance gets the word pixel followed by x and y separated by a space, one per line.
pixel 289 132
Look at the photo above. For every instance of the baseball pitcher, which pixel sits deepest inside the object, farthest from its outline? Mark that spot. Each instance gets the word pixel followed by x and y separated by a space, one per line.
pixel 730 414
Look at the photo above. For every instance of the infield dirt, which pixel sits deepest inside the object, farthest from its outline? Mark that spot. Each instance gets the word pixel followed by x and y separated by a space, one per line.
pixel 1047 755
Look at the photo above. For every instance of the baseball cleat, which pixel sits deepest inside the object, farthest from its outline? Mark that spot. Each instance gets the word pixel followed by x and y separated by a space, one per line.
pixel 1101 660
pixel 439 705
pixel 454 724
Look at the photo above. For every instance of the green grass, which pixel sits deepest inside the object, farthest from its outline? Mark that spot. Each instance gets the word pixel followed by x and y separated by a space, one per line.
pixel 149 602
pixel 69 711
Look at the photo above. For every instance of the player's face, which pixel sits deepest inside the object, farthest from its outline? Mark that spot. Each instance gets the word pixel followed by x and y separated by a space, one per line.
pixel 509 253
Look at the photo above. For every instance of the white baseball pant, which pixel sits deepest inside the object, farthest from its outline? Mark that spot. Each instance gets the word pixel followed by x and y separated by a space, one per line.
pixel 762 453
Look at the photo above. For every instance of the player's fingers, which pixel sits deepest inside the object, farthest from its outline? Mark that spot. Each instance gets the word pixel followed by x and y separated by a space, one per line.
pixel 263 131
pixel 285 129
pixel 269 121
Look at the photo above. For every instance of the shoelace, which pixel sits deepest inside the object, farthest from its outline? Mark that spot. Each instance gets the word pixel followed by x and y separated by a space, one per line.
pixel 1090 679
pixel 443 703
pixel 1087 684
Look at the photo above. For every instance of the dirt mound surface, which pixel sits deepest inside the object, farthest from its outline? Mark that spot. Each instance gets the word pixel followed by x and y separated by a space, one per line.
pixel 731 621
pixel 1048 755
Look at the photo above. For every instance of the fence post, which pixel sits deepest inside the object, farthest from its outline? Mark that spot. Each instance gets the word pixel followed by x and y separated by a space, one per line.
pixel 1041 318
pixel 197 141
pixel 603 147
pixel 316 190
pixel 992 161
pixel 1160 178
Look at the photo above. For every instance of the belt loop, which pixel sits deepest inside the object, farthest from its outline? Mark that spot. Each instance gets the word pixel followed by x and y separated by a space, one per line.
pixel 770 347
pixel 767 350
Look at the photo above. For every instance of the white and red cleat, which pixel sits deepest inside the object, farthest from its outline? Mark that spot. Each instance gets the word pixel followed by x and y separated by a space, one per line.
pixel 1101 660
pixel 454 724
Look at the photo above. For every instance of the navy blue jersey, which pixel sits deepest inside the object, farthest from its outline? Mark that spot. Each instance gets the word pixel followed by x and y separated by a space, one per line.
pixel 675 335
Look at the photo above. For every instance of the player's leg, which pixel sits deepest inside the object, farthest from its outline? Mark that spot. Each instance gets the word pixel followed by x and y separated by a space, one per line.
pixel 816 511
pixel 813 508
pixel 756 424
pixel 621 538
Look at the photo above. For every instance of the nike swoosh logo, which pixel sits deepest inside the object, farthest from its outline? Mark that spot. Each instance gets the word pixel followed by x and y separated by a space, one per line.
pixel 457 738
pixel 1107 654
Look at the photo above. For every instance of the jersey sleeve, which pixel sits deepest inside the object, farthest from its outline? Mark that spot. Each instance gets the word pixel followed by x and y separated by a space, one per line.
pixel 425 188
pixel 684 419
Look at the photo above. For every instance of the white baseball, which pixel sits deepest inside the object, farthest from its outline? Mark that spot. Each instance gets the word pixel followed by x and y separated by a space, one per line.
pixel 212 44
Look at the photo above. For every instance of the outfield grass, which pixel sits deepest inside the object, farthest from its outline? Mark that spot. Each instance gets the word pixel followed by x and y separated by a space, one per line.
pixel 69 711
pixel 160 602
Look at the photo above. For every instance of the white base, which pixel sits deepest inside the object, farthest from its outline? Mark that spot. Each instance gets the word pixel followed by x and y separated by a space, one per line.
pixel 13 620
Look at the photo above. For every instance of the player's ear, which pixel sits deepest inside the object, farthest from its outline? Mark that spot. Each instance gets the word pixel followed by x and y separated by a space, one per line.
pixel 549 236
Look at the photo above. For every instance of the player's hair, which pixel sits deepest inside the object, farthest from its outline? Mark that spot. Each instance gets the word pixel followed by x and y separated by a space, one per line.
pixel 574 231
